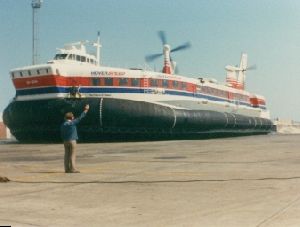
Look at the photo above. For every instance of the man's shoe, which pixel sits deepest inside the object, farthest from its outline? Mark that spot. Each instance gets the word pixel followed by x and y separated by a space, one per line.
pixel 75 171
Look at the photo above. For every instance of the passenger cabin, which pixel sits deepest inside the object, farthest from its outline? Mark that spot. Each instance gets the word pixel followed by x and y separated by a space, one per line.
pixel 75 57
pixel 75 52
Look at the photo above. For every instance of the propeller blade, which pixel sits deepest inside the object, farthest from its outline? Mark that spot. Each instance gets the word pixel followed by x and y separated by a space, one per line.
pixel 152 57
pixel 182 47
pixel 162 36
pixel 252 67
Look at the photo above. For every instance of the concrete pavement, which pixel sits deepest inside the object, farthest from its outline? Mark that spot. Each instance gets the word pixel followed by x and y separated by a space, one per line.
pixel 243 181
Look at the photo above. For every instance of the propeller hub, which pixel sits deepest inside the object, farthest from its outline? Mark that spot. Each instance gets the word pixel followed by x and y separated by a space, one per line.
pixel 167 48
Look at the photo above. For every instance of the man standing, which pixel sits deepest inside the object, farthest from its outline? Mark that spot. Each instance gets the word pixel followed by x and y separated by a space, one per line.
pixel 69 135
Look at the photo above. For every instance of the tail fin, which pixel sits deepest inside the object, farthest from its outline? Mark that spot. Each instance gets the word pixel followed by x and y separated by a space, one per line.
pixel 244 61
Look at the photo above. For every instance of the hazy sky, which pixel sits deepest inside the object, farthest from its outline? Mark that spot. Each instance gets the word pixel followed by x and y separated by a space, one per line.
pixel 219 30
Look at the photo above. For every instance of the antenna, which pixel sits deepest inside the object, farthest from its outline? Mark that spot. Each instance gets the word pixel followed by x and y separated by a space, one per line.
pixel 36 5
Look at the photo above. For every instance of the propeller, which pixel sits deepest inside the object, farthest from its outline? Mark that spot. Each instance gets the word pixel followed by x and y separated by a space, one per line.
pixel 152 57
pixel 182 47
pixel 252 67
pixel 162 36
pixel 237 69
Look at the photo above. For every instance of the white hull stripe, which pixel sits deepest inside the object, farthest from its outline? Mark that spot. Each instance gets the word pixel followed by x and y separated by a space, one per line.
pixel 83 90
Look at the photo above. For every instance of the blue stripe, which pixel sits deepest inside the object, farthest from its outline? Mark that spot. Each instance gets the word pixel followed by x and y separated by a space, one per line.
pixel 36 91
pixel 49 90
pixel 110 90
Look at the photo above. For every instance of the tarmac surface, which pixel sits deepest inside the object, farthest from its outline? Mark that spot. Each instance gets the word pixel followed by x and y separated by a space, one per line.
pixel 242 181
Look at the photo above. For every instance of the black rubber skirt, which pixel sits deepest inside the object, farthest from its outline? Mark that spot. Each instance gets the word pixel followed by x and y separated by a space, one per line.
pixel 116 119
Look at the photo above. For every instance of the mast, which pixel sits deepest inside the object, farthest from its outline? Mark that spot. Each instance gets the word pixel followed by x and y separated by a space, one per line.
pixel 36 5
pixel 98 46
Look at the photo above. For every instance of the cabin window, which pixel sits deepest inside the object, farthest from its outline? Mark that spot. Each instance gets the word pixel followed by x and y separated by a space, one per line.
pixel 29 73
pixel 95 81
pixel 47 70
pixel 21 74
pixel 88 60
pixel 165 83
pixel 38 71
pixel 135 82
pixel 214 91
pixel 153 83
pixel 13 75
pixel 108 81
pixel 83 59
pixel 92 61
pixel 71 57
pixel 60 56
pixel 123 81
pixel 183 86
pixel 175 84
pixel 179 85
pixel 77 57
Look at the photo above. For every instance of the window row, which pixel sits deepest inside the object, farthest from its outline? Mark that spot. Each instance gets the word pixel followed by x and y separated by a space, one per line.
pixel 109 81
pixel 74 57
pixel 172 84
pixel 241 97
pixel 214 91
pixel 32 72
pixel 135 82
pixel 222 93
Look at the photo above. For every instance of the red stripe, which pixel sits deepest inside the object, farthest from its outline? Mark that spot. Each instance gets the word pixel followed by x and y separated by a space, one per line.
pixel 50 80
pixel 55 80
